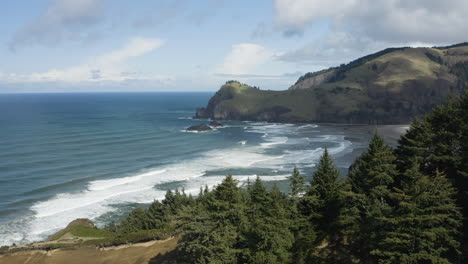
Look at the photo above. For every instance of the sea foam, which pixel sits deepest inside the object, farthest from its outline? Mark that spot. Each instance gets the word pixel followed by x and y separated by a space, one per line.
pixel 101 196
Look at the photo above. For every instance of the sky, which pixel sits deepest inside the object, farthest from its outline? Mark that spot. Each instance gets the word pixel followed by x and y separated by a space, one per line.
pixel 197 45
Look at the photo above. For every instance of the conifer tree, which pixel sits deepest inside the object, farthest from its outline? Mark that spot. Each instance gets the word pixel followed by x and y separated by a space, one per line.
pixel 325 191
pixel 424 223
pixel 211 231
pixel 325 187
pixel 369 186
pixel 297 183
pixel 413 145
pixel 443 138
pixel 158 214
pixel 267 237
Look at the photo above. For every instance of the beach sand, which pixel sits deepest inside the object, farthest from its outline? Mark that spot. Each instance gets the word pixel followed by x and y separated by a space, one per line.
pixel 391 133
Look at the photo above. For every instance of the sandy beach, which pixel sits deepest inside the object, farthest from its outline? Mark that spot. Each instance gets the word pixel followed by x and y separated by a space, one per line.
pixel 391 133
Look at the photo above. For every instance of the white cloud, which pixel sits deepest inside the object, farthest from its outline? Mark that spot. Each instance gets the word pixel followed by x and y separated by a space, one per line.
pixel 62 19
pixel 108 67
pixel 332 50
pixel 244 59
pixel 297 13
pixel 392 21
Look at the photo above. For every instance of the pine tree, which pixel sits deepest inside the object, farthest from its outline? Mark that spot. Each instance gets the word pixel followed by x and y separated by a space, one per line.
pixel 423 226
pixel 326 187
pixel 297 183
pixel 158 214
pixel 210 231
pixel 267 237
pixel 135 221
pixel 324 196
pixel 413 145
pixel 443 138
pixel 369 186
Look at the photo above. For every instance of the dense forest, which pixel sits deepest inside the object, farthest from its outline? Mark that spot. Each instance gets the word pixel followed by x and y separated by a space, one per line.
pixel 402 205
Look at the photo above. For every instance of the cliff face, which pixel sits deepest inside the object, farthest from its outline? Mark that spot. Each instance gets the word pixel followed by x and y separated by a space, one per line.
pixel 388 87
pixel 236 101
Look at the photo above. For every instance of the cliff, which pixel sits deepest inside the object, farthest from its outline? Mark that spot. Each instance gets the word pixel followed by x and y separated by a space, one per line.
pixel 389 87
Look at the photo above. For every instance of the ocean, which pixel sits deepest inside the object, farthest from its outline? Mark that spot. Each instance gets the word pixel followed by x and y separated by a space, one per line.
pixel 98 155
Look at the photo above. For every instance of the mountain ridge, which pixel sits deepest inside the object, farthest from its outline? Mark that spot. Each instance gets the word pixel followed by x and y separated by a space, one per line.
pixel 391 86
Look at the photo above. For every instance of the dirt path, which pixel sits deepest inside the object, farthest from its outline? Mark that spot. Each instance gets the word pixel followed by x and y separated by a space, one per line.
pixel 125 254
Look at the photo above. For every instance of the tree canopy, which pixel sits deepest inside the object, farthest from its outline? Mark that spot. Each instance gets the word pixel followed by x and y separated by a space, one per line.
pixel 403 205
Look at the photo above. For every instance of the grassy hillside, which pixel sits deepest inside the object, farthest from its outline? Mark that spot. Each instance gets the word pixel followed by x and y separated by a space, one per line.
pixel 389 87
pixel 149 252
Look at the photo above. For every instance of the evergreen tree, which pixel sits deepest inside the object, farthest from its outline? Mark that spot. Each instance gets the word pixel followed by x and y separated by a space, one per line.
pixel 267 237
pixel 211 230
pixel 297 183
pixel 423 226
pixel 442 139
pixel 369 187
pixel 326 189
pixel 135 221
pixel 413 145
pixel 158 214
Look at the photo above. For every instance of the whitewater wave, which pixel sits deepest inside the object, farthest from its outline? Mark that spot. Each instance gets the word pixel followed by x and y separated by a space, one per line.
pixel 185 118
pixel 106 184
pixel 101 196
pixel 274 141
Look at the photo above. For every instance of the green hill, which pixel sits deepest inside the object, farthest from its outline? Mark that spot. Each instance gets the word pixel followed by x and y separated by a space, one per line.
pixel 389 87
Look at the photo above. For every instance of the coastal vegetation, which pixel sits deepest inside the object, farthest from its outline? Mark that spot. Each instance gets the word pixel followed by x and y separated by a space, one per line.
pixel 407 204
pixel 403 205
pixel 388 87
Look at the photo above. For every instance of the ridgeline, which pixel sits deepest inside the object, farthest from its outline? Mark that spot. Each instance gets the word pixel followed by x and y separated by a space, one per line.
pixel 389 87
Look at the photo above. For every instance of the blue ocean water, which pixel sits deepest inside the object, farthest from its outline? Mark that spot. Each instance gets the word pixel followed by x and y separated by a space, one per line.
pixel 68 156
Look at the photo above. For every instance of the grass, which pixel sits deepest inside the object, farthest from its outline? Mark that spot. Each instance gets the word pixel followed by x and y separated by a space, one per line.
pixel 4 249
pixel 100 238
pixel 390 68
pixel 91 236
pixel 82 231
pixel 135 237
pixel 304 105
pixel 372 89
pixel 149 253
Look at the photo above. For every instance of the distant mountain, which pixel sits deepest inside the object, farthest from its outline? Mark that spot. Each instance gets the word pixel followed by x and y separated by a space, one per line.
pixel 388 87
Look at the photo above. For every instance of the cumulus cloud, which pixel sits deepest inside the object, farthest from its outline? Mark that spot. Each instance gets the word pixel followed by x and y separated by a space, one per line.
pixel 332 50
pixel 62 19
pixel 392 21
pixel 244 58
pixel 108 67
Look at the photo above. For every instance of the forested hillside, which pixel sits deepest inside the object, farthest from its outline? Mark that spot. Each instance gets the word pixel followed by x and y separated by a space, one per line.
pixel 403 205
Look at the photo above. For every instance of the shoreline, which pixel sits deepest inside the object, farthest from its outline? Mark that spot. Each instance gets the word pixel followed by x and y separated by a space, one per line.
pixel 391 133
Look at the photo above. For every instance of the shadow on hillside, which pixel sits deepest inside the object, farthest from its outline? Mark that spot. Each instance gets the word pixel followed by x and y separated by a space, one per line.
pixel 166 258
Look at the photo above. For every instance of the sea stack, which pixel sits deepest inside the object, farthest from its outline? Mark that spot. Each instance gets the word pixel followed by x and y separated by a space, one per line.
pixel 199 128
pixel 216 123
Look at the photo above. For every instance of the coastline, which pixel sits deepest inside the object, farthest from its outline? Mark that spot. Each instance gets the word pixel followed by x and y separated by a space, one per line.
pixel 391 133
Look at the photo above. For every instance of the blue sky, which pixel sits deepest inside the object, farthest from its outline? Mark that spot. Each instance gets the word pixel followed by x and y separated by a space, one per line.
pixel 188 45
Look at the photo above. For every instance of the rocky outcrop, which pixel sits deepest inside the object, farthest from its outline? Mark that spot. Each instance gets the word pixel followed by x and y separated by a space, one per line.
pixel 199 128
pixel 314 79
pixel 215 123
pixel 81 222
pixel 202 113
